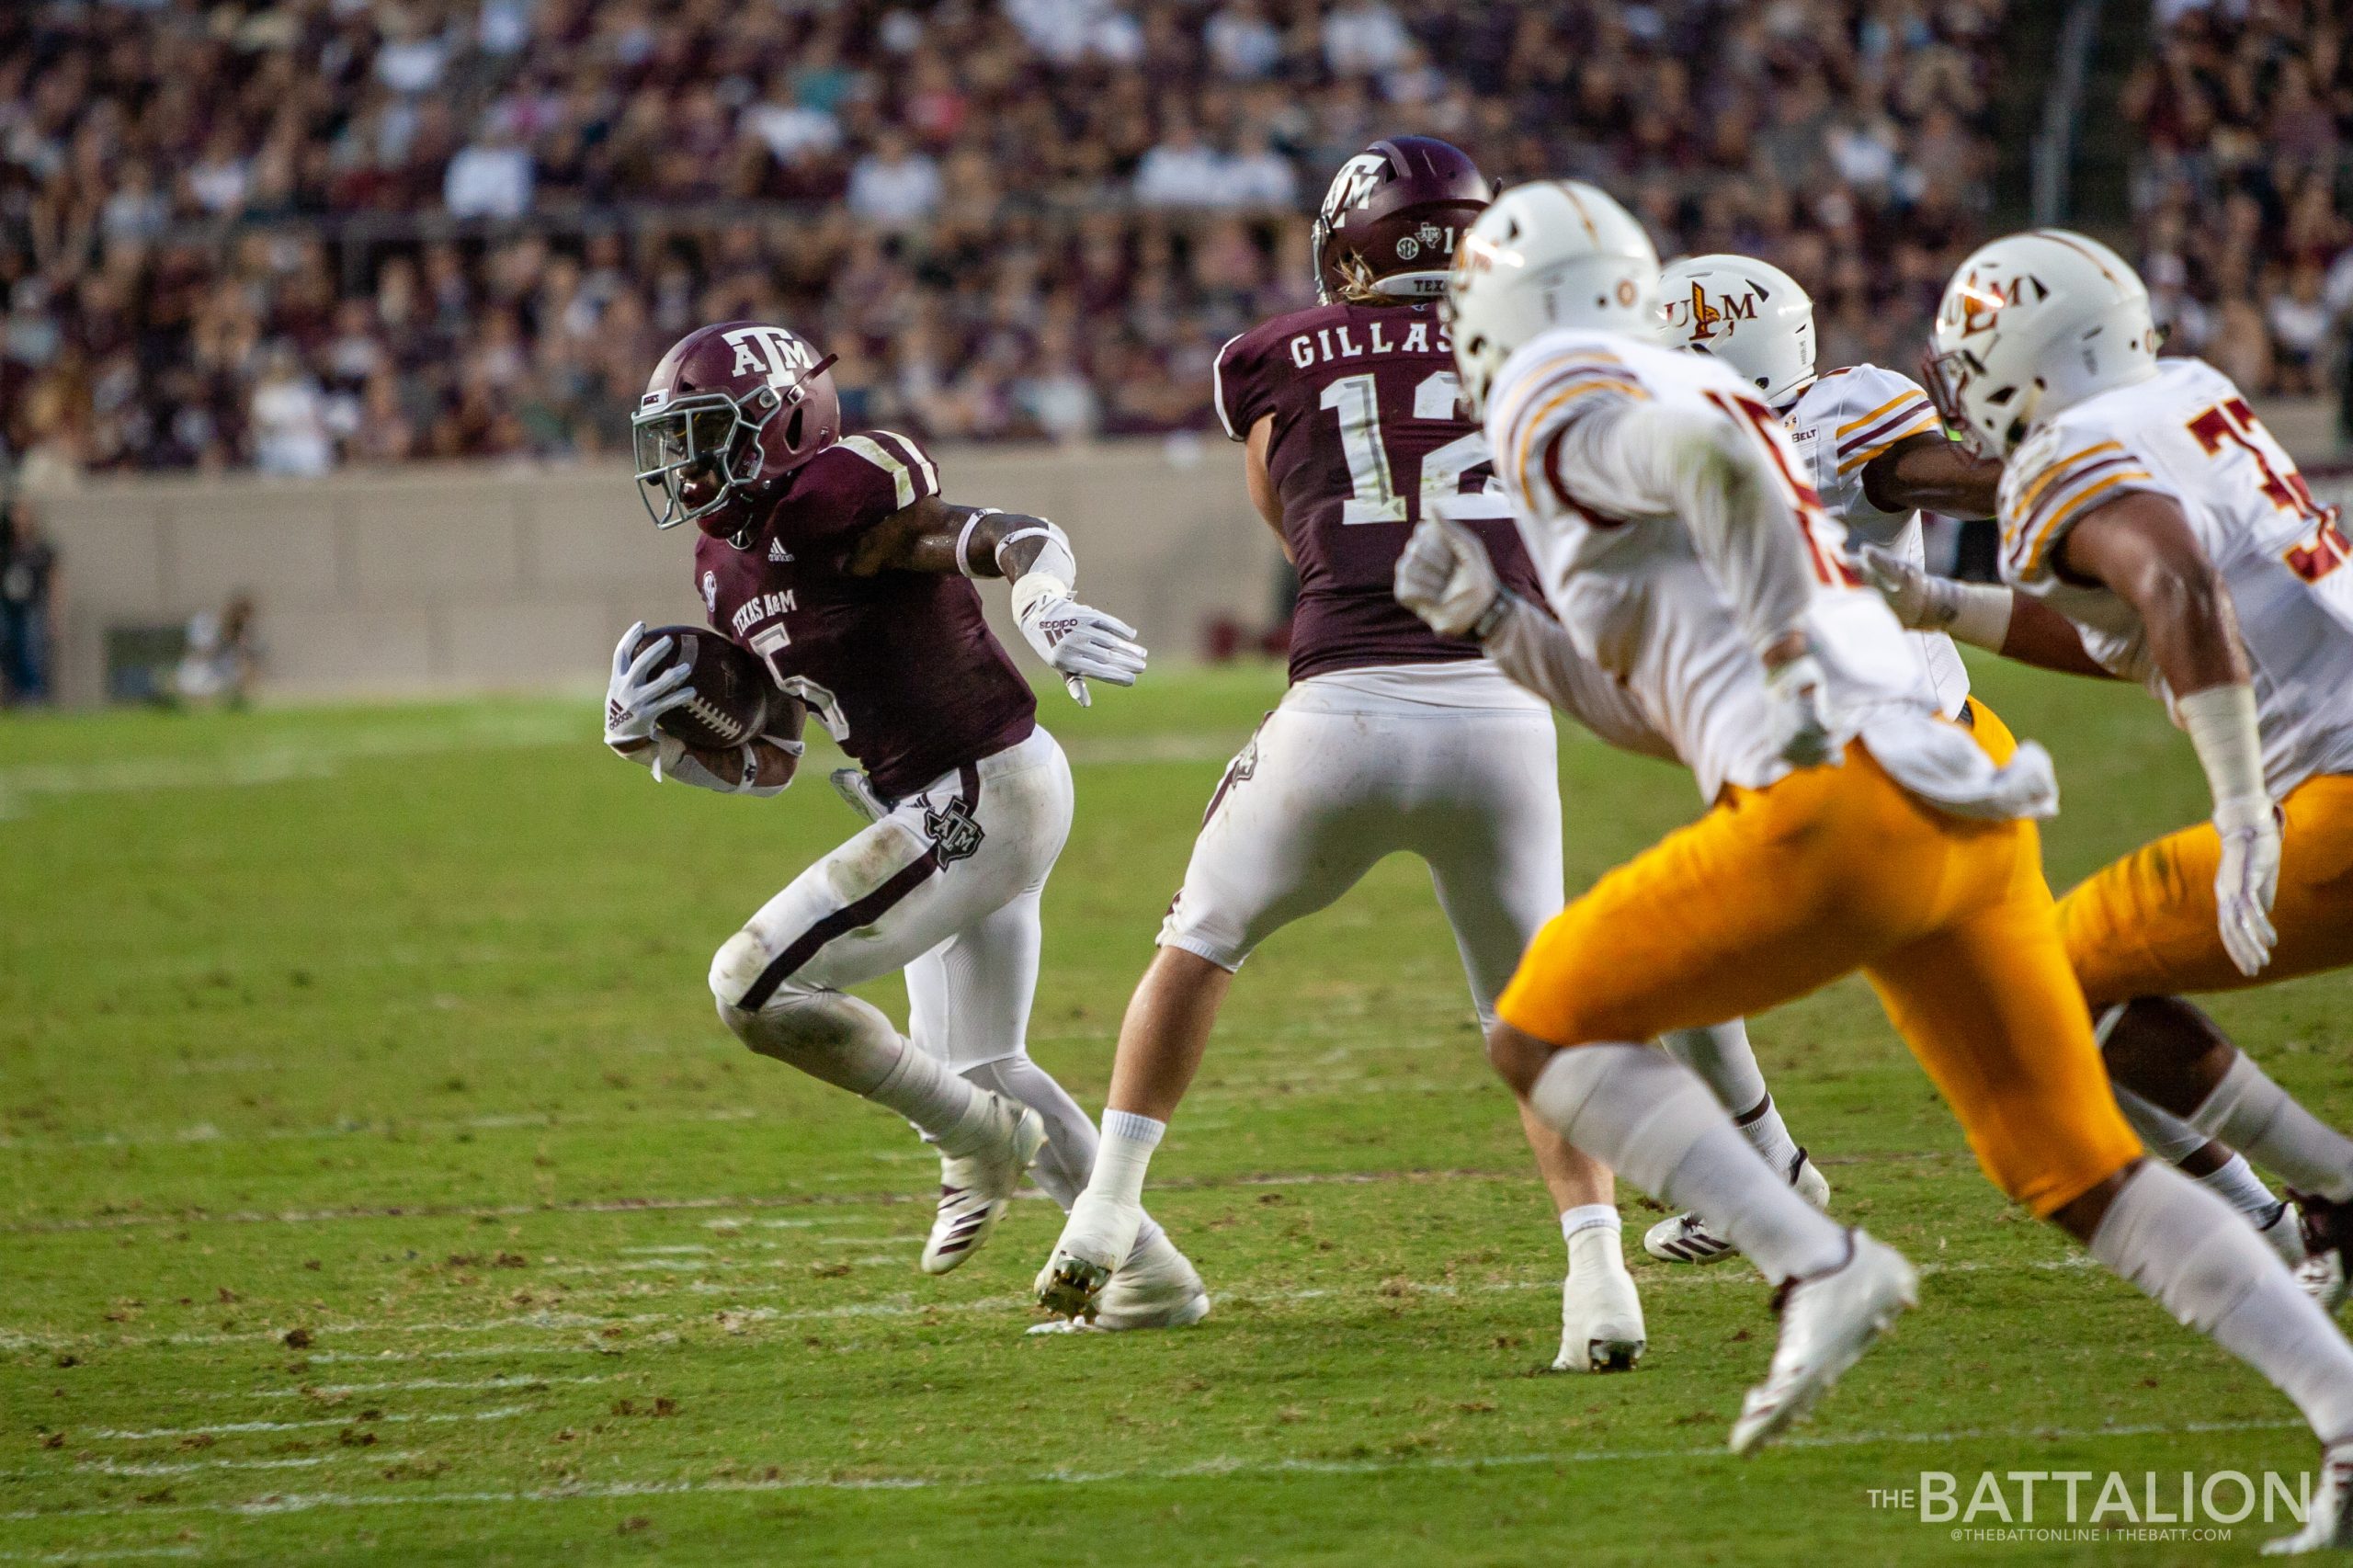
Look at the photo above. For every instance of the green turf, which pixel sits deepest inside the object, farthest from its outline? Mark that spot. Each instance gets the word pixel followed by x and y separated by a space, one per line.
pixel 358 1078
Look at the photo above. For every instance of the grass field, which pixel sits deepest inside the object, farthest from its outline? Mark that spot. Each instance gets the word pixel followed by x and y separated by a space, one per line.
pixel 380 1188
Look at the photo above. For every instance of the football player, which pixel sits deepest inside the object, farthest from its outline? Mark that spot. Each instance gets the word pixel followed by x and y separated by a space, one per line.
pixel 1870 443
pixel 833 559
pixel 1391 737
pixel 1850 825
pixel 2155 531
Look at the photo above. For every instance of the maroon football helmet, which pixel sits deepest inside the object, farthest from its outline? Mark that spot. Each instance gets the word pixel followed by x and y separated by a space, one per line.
pixel 1390 218
pixel 731 410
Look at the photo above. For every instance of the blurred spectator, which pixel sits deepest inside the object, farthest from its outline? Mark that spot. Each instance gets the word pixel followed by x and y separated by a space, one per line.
pixel 29 601
pixel 222 656
pixel 294 234
pixel 2240 184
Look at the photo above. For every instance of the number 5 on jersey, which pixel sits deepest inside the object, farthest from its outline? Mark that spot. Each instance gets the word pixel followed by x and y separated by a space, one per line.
pixel 772 640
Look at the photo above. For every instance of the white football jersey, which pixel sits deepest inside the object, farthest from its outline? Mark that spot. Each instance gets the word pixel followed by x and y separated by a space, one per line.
pixel 1625 577
pixel 2187 433
pixel 1838 425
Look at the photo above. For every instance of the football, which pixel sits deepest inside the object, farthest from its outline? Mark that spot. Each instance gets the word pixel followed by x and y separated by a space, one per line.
pixel 732 691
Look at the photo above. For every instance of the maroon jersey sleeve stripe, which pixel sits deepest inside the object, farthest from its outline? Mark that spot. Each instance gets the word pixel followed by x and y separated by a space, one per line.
pixel 918 462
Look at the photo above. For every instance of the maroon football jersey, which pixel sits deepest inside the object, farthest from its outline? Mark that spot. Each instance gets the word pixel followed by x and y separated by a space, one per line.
pixel 900 667
pixel 1368 429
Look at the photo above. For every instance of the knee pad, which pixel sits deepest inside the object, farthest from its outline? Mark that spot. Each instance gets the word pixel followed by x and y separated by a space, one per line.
pixel 735 967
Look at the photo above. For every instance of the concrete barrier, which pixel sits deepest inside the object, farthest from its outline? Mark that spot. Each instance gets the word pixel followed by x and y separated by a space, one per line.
pixel 445 579
pixel 456 578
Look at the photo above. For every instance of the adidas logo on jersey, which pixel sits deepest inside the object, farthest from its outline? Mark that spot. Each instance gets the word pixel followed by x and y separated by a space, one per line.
pixel 776 550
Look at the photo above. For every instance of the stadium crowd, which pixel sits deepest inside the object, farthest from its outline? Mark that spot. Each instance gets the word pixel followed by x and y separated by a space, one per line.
pixel 2244 112
pixel 297 234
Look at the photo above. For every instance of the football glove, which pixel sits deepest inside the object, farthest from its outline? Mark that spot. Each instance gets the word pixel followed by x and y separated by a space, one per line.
pixel 1080 642
pixel 642 690
pixel 1800 719
pixel 2246 881
pixel 1446 577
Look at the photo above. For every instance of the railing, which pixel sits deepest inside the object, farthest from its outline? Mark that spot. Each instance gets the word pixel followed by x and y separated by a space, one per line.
pixel 2054 155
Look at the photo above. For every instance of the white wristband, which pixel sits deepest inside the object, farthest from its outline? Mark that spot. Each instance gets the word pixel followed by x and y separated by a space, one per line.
pixel 1981 614
pixel 964 538
pixel 2222 728
pixel 1055 557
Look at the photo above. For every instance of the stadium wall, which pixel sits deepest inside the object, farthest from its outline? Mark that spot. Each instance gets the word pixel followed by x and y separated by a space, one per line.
pixel 455 579
pixel 446 579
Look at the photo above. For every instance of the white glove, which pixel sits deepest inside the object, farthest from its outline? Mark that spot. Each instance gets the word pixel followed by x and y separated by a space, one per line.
pixel 1446 577
pixel 2247 879
pixel 1905 587
pixel 1800 725
pixel 642 690
pixel 1081 642
pixel 1975 612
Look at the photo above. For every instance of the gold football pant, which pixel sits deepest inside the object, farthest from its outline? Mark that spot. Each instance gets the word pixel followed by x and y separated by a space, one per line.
pixel 2144 926
pixel 1777 892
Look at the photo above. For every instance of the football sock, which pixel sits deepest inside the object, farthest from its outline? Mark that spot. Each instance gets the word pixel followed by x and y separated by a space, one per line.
pixel 1584 1218
pixel 1721 1054
pixel 920 1087
pixel 2253 1114
pixel 1768 1135
pixel 1597 1245
pixel 1649 1119
pixel 1126 1150
pixel 2175 1241
pixel 2236 1184
pixel 1068 1158
pixel 2163 1133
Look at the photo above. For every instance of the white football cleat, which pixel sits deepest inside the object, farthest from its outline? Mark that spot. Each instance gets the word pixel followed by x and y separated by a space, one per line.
pixel 974 1188
pixel 1156 1288
pixel 2322 1278
pixel 1685 1238
pixel 1828 1320
pixel 1096 1238
pixel 2325 1230
pixel 1601 1312
pixel 2329 1525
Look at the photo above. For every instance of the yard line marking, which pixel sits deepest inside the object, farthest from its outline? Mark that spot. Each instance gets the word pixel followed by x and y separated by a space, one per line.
pixel 407 1385
pixel 1424 1177
pixel 901 1305
pixel 1213 1468
pixel 119 1435
pixel 111 1554
pixel 187 1467
pixel 205 1133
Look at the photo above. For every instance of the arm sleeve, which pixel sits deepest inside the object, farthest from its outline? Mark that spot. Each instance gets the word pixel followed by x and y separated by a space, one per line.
pixel 1536 650
pixel 1236 389
pixel 1637 458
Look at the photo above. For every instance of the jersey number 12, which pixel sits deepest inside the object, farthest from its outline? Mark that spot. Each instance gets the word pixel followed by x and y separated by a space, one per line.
pixel 1377 499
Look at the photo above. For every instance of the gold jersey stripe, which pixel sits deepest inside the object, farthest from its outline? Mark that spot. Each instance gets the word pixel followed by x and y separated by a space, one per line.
pixel 2054 471
pixel 1927 421
pixel 2074 506
pixel 1853 424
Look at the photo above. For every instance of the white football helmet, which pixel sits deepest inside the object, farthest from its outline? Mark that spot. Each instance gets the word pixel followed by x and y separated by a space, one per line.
pixel 1746 313
pixel 2032 324
pixel 1553 253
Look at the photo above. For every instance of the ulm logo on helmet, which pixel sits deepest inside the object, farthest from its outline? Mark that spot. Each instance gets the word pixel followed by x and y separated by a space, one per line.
pixel 1982 299
pixel 770 351
pixel 1706 320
